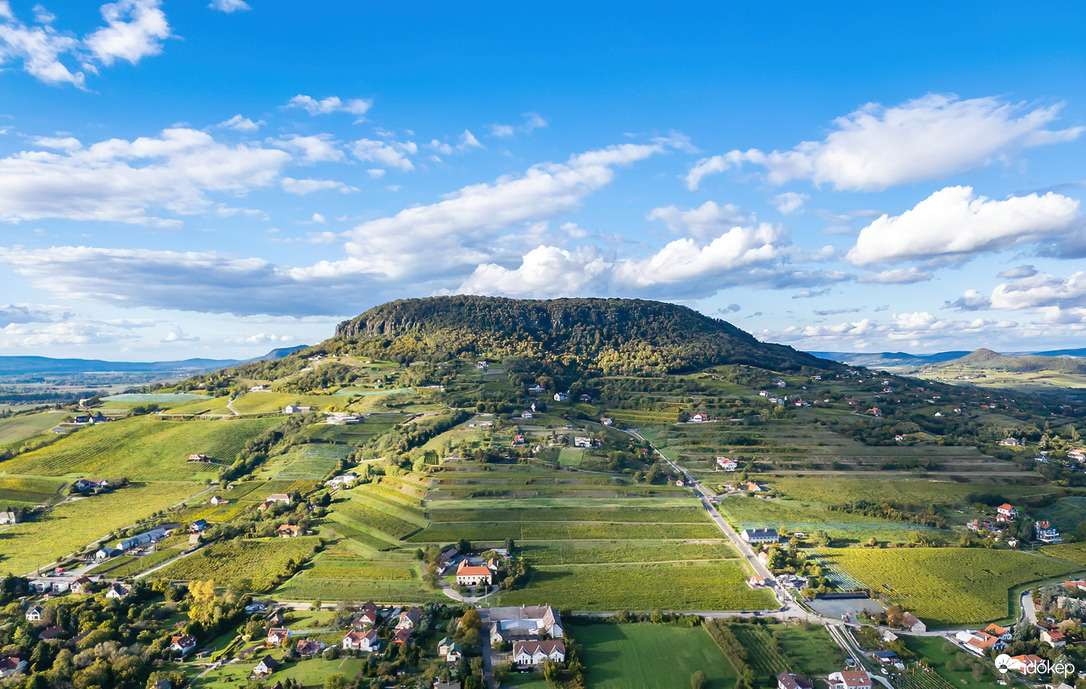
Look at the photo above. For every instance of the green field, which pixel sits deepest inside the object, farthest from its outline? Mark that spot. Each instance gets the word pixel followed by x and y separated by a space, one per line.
pixel 647 656
pixel 18 428
pixel 946 586
pixel 565 553
pixel 258 561
pixel 1072 552
pixel 68 527
pixel 161 398
pixel 693 586
pixel 937 652
pixel 142 448
pixel 28 491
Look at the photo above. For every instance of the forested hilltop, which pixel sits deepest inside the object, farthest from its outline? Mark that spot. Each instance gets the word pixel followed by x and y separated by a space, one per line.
pixel 613 336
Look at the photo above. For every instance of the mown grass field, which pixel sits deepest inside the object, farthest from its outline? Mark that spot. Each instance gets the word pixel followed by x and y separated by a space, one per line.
pixel 946 586
pixel 259 561
pixel 68 527
pixel 647 656
pixel 19 428
pixel 142 449
pixel 695 586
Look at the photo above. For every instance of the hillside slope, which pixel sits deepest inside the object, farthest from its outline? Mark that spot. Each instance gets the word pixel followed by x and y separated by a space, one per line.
pixel 611 335
pixel 986 359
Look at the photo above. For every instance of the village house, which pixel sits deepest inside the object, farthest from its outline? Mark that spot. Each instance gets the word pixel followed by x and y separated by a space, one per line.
pixel 913 623
pixel 342 481
pixel 307 648
pixel 51 633
pixel 1024 664
pixel 752 487
pixel 117 591
pixel 81 585
pixel 1006 513
pixel 1001 633
pixel 787 680
pixel 606 421
pixel 34 613
pixel 277 635
pixel 266 666
pixel 518 440
pixel 1046 533
pixel 199 457
pixel 216 500
pixel 367 616
pixel 402 637
pixel 11 666
pixel 699 418
pixel 361 641
pixel 85 484
pixel 409 619
pixel 582 441
pixel 183 644
pixel 295 409
pixel 275 499
pixel 1077 455
pixel 449 650
pixel 1010 442
pixel 198 526
pixel 1053 638
pixel 9 517
pixel 289 530
pixel 760 536
pixel 849 679
pixel 472 575
pixel 532 653
pixel 727 464
pixel 523 623
pixel 561 397
pixel 980 642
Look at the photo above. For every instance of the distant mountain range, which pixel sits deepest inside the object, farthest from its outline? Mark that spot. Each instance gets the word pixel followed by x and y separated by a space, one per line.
pixel 46 367
pixel 1062 360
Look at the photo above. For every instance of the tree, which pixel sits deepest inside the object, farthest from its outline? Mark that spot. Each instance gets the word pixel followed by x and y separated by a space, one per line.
pixel 698 680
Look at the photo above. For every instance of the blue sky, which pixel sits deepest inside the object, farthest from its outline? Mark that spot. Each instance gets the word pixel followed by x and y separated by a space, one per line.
pixel 189 179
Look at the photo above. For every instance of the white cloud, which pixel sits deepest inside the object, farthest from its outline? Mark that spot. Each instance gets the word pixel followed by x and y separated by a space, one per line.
pixel 545 271
pixel 69 332
pixel 176 334
pixel 135 29
pixel 319 219
pixel 241 124
pixel 955 224
pixel 531 121
pixel 1041 290
pixel 263 338
pixel 22 313
pixel 789 202
pixel 897 276
pixel 355 106
pixel 918 329
pixel 318 148
pixel 40 49
pixel 301 187
pixel 41 15
pixel 707 220
pixel 207 282
pixel 128 181
pixel 229 6
pixel 971 300
pixel 391 154
pixel 877 147
pixel 461 228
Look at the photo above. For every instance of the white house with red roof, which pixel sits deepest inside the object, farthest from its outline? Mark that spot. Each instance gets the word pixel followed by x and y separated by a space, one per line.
pixel 850 679
pixel 1006 513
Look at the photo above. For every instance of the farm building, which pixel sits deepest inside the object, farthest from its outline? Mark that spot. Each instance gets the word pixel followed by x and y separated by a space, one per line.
pixel 524 622
pixel 760 536
pixel 472 575
pixel 529 653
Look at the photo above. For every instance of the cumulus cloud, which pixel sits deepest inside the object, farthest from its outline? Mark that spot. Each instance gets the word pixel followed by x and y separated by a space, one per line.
pixel 176 334
pixel 954 224
pixel 318 148
pixel 544 271
pixel 127 181
pixel 241 124
pixel 326 106
pixel 707 220
pixel 229 6
pixel 68 332
pixel 1041 290
pixel 877 147
pixel 918 329
pixel 971 300
pixel 789 202
pixel 390 154
pixel 134 30
pixel 467 142
pixel 301 187
pixel 22 313
pixel 39 48
pixel 463 227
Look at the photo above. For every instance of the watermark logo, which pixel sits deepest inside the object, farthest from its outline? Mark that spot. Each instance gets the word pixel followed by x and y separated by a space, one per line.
pixel 1032 665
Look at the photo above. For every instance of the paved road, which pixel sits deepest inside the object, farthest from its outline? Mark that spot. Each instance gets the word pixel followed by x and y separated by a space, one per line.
pixel 1029 611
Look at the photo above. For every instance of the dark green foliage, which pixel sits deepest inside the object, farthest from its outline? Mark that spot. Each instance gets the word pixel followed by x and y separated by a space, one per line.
pixel 614 336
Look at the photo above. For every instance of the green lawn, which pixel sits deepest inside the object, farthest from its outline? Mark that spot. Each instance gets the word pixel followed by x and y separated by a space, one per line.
pixel 646 656
pixel 937 651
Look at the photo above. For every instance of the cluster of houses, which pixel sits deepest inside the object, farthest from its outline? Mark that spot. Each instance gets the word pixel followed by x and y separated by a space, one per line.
pixel 980 641
pixel 140 540
pixel 534 631
pixel 86 485
pixel 583 441
pixel 363 634
pixel 746 487
pixel 1006 514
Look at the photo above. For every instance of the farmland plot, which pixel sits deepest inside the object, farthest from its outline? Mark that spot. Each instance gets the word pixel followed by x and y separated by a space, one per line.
pixel 260 561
